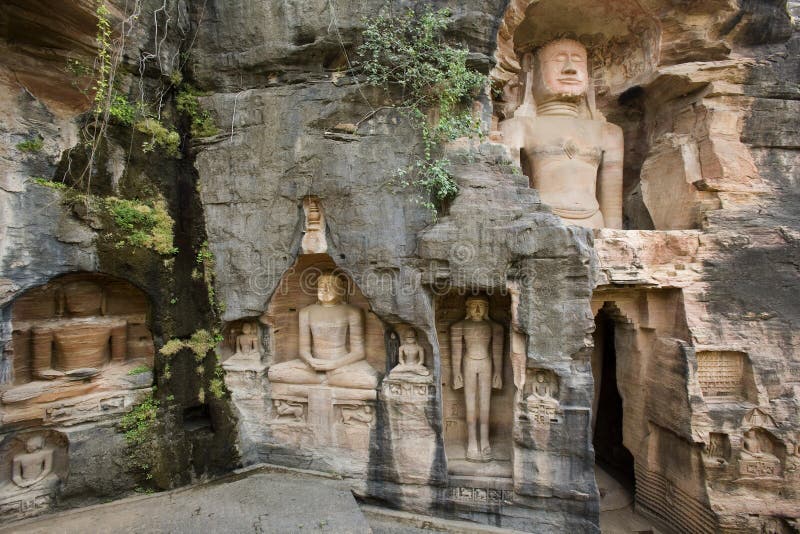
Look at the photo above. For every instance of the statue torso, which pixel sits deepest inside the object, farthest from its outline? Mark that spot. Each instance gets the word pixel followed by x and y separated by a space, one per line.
pixel 564 155
pixel 477 338
pixel 329 326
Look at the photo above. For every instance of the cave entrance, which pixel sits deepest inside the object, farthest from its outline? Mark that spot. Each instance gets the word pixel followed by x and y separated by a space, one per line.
pixel 614 462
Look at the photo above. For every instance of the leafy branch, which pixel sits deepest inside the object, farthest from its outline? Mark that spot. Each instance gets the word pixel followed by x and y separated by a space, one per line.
pixel 409 52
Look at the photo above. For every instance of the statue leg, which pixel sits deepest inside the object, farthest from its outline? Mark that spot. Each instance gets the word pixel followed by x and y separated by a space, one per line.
pixel 485 386
pixel 294 372
pixel 358 375
pixel 470 400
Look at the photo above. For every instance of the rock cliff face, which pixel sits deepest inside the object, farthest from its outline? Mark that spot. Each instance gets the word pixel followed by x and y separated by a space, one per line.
pixel 665 351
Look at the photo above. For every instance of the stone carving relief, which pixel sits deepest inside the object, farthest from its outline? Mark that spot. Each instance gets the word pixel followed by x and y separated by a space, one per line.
pixel 557 133
pixel 542 406
pixel 33 466
pixel 322 358
pixel 725 375
pixel 759 455
pixel 78 335
pixel 718 449
pixel 314 241
pixel 244 342
pixel 410 360
pixel 477 353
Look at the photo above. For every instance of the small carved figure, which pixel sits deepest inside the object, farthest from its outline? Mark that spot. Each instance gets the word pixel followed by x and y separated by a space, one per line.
pixel 247 342
pixel 411 357
pixel 83 342
pixel 314 241
pixel 357 415
pixel 572 158
pixel 477 353
pixel 542 388
pixel 285 408
pixel 331 340
pixel 32 466
pixel 752 443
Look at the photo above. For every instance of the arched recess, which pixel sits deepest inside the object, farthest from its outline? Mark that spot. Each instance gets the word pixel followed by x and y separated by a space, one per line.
pixel 79 335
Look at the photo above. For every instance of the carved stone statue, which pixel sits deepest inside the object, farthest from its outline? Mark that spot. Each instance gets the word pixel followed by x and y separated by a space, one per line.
pixel 331 343
pixel 314 241
pixel 247 342
pixel 477 354
pixel 82 342
pixel 288 409
pixel 572 158
pixel 542 388
pixel 32 466
pixel 411 357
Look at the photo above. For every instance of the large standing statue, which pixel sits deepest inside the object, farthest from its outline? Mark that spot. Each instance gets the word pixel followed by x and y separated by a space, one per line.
pixel 84 341
pixel 331 343
pixel 477 357
pixel 572 158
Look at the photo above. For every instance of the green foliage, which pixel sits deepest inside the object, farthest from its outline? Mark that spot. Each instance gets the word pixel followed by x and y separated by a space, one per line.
pixel 200 343
pixel 436 85
pixel 104 48
pixel 31 145
pixel 138 426
pixel 121 110
pixel 202 123
pixel 145 225
pixel 49 183
pixel 138 370
pixel 216 386
pixel 160 136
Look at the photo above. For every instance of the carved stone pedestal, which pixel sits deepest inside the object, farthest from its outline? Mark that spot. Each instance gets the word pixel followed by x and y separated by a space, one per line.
pixel 409 404
pixel 32 501
pixel 310 415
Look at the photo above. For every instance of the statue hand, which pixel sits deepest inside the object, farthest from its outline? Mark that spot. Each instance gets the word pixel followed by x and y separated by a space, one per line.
pixel 497 381
pixel 49 374
pixel 458 381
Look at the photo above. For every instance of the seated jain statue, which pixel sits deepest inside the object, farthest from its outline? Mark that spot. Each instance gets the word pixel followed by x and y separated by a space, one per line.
pixel 477 353
pixel 411 358
pixel 81 342
pixel 33 465
pixel 573 158
pixel 331 343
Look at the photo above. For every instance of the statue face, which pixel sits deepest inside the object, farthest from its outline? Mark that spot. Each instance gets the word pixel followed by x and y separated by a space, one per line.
pixel 83 298
pixel 410 338
pixel 34 444
pixel 329 289
pixel 477 309
pixel 247 328
pixel 563 70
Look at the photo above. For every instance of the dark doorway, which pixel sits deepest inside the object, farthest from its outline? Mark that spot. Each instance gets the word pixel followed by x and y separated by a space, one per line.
pixel 610 453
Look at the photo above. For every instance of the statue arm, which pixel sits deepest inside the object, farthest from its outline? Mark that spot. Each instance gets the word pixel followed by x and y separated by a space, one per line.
pixel 16 474
pixel 304 338
pixel 456 347
pixel 401 356
pixel 119 342
pixel 609 183
pixel 357 341
pixel 43 354
pixel 497 356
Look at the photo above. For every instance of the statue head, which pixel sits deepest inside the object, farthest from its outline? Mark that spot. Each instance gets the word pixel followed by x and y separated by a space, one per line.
pixel 34 443
pixel 540 377
pixel 410 336
pixel 477 308
pixel 330 289
pixel 247 328
pixel 83 299
pixel 563 72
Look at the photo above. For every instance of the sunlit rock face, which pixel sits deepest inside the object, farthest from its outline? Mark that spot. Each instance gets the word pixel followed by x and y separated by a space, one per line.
pixel 628 229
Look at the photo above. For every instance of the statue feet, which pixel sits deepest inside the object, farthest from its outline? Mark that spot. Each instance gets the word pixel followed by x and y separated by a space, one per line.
pixel 473 455
pixel 486 454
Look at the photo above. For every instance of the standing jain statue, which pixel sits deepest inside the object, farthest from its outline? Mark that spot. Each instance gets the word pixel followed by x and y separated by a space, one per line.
pixel 477 354
pixel 572 156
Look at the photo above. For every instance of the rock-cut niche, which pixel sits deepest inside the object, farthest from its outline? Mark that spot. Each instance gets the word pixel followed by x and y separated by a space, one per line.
pixel 81 333
pixel 477 383
pixel 562 68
